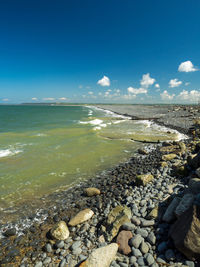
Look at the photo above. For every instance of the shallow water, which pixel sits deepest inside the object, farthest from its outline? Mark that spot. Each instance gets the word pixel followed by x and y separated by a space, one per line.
pixel 48 148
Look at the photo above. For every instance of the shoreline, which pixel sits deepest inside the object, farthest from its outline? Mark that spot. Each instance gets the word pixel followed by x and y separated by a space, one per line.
pixel 105 183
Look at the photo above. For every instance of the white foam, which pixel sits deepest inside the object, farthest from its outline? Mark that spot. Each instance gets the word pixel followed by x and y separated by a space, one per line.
pixel 92 122
pixel 9 152
pixel 40 134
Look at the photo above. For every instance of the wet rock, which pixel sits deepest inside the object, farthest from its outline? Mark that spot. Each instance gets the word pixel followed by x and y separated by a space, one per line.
pixel 143 179
pixel 92 191
pixel 81 217
pixel 122 240
pixel 185 203
pixel 194 185
pixel 60 231
pixel 169 215
pixel 116 218
pixel 101 257
pixel 185 233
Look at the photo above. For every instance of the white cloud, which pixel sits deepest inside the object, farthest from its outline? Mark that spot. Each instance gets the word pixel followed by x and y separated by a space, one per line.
pixel 147 80
pixel 157 85
pixel 128 97
pixel 191 96
pixel 117 91
pixel 5 99
pixel 105 81
pixel 63 98
pixel 34 98
pixel 186 84
pixel 136 91
pixel 48 98
pixel 90 93
pixel 100 94
pixel 80 86
pixel 186 66
pixel 174 83
pixel 166 96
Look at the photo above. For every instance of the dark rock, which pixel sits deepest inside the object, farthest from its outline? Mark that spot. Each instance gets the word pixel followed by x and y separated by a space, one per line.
pixel 10 232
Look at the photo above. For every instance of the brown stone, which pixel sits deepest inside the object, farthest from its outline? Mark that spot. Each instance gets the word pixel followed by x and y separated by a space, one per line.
pixel 122 240
pixel 186 233
pixel 92 191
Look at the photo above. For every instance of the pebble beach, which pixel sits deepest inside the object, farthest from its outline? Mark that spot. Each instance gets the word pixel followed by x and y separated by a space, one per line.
pixel 144 212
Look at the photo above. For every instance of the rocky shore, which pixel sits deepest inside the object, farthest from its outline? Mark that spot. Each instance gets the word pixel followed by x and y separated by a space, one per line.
pixel 145 212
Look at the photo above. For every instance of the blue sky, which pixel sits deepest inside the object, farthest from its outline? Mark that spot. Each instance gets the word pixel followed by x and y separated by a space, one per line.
pixel 113 51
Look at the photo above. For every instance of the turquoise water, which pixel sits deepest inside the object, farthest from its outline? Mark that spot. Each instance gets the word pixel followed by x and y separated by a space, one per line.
pixel 48 148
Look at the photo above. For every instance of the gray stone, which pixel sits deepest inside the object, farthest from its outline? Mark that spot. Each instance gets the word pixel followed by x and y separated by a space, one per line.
pixel 47 260
pixel 48 248
pixel 146 223
pixel 60 244
pixel 133 259
pixel 128 226
pixel 62 263
pixel 144 248
pixel 149 259
pixel 136 241
pixel 142 232
pixel 77 251
pixel 76 245
pixel 140 261
pixel 169 214
pixel 38 264
pixel 136 252
pixel 122 264
pixel 151 238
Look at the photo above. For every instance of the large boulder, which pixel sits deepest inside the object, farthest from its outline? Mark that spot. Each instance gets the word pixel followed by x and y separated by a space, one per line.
pixel 169 214
pixel 194 186
pixel 185 203
pixel 143 179
pixel 81 217
pixel 116 218
pixel 186 233
pixel 60 231
pixel 101 257
pixel 194 160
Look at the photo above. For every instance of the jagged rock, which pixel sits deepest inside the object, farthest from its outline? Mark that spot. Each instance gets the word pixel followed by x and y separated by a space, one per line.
pixel 92 191
pixel 143 179
pixel 185 233
pixel 185 203
pixel 81 217
pixel 194 186
pixel 122 240
pixel 169 157
pixel 60 231
pixel 169 215
pixel 101 257
pixel 194 160
pixel 116 218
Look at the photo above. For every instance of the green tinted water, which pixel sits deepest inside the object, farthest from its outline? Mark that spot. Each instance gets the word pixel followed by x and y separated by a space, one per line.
pixel 46 148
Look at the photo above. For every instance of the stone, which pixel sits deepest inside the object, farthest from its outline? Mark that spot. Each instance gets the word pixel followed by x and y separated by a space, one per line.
pixel 122 240
pixel 147 223
pixel 153 213
pixel 81 217
pixel 190 263
pixel 198 172
pixel 143 179
pixel 10 232
pixel 48 248
pixel 144 248
pixel 136 220
pixel 169 255
pixel 162 246
pixel 185 203
pixel 60 231
pixel 60 244
pixel 128 226
pixel 194 186
pixel 169 157
pixel 38 264
pixel 149 259
pixel 151 238
pixel 92 191
pixel 185 233
pixel 136 252
pixel 136 241
pixel 101 257
pixel 116 218
pixel 169 214
pixel 142 232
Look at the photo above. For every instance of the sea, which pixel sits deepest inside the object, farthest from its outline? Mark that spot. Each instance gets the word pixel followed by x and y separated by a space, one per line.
pixel 44 149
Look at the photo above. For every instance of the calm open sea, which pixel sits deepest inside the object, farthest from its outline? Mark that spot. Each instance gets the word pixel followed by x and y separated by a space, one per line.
pixel 47 148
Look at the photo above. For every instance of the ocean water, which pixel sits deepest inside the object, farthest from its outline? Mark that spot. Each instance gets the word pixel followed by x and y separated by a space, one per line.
pixel 49 148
